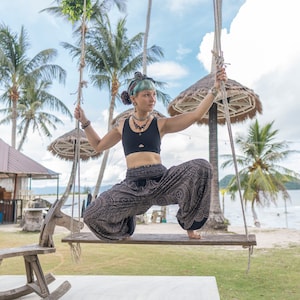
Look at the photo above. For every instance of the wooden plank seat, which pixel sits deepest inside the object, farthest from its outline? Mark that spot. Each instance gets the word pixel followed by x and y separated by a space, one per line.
pixel 168 239
pixel 37 282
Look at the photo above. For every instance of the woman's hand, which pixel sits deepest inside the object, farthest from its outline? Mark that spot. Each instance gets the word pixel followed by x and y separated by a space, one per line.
pixel 220 76
pixel 80 115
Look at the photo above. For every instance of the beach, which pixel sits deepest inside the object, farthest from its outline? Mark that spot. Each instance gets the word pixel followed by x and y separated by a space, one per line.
pixel 265 237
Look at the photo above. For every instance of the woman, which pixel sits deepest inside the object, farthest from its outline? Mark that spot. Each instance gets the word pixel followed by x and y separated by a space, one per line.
pixel 112 215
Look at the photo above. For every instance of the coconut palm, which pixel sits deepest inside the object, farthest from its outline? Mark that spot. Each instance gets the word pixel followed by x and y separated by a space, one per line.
pixel 111 58
pixel 73 10
pixel 262 179
pixel 32 113
pixel 16 68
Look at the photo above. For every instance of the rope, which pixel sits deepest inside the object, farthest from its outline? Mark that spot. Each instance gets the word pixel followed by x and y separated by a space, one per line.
pixel 75 248
pixel 75 252
pixel 219 63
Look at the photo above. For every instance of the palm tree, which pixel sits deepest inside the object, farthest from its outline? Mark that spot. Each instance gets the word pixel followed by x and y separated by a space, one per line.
pixel 216 218
pixel 112 58
pixel 16 68
pixel 73 10
pixel 262 179
pixel 31 110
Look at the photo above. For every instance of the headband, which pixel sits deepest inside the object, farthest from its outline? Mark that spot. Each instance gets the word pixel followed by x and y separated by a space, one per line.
pixel 139 83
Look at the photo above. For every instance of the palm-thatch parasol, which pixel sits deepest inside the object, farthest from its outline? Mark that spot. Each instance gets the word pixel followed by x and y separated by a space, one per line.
pixel 125 114
pixel 243 103
pixel 64 146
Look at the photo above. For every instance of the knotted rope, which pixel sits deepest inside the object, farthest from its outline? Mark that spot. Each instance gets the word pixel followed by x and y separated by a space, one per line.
pixel 219 63
pixel 76 248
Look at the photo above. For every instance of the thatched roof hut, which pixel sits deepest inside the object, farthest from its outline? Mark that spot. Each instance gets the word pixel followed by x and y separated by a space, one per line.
pixel 64 146
pixel 243 103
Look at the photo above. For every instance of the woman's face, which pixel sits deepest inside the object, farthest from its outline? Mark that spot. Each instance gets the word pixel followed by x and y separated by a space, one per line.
pixel 145 100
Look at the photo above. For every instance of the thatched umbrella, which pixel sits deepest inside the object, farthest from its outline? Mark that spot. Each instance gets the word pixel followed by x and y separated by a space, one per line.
pixel 243 102
pixel 64 146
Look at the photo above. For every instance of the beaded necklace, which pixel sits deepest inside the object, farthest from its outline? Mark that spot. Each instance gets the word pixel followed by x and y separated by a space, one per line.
pixel 140 127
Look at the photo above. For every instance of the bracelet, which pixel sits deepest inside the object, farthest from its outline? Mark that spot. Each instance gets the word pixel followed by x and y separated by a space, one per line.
pixel 86 124
pixel 214 91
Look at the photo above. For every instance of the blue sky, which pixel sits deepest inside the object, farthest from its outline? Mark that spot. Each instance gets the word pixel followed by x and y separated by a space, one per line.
pixel 259 40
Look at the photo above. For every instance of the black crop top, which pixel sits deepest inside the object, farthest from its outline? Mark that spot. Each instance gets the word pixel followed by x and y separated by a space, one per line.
pixel 146 141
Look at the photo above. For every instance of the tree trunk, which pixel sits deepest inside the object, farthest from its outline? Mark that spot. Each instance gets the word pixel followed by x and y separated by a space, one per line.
pixel 223 204
pixel 14 123
pixel 216 220
pixel 101 173
pixel 106 153
pixel 254 215
pixel 146 37
pixel 23 138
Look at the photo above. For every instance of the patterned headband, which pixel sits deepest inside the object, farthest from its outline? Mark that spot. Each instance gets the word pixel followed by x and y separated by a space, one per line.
pixel 139 83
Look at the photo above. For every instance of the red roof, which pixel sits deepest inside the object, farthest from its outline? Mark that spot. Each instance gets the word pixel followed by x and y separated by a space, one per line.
pixel 13 162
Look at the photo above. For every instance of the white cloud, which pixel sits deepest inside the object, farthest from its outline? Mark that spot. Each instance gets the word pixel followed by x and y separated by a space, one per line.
pixel 262 38
pixel 192 142
pixel 205 48
pixel 263 51
pixel 182 51
pixel 167 70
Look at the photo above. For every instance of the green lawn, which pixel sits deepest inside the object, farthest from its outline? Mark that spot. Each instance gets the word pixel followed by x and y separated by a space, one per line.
pixel 274 273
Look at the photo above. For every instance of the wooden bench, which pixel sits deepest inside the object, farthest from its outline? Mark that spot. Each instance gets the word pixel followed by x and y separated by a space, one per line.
pixel 33 270
pixel 37 282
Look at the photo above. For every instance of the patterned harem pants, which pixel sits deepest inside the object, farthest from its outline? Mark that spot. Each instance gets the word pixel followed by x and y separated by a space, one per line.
pixel 112 215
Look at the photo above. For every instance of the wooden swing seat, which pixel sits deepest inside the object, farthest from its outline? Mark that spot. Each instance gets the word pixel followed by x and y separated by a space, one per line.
pixel 167 239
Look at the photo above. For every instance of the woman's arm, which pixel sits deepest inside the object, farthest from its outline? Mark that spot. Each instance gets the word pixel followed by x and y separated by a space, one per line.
pixel 99 144
pixel 183 121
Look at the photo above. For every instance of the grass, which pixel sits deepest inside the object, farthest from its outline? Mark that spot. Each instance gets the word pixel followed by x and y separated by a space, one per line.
pixel 274 273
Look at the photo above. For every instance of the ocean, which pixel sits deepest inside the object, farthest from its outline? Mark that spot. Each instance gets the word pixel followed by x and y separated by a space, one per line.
pixel 283 214
pixel 279 215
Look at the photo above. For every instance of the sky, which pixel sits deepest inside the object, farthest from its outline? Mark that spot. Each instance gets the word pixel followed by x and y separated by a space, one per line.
pixel 260 44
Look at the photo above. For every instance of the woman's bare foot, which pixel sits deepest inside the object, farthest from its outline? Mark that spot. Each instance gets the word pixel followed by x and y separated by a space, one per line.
pixel 193 235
